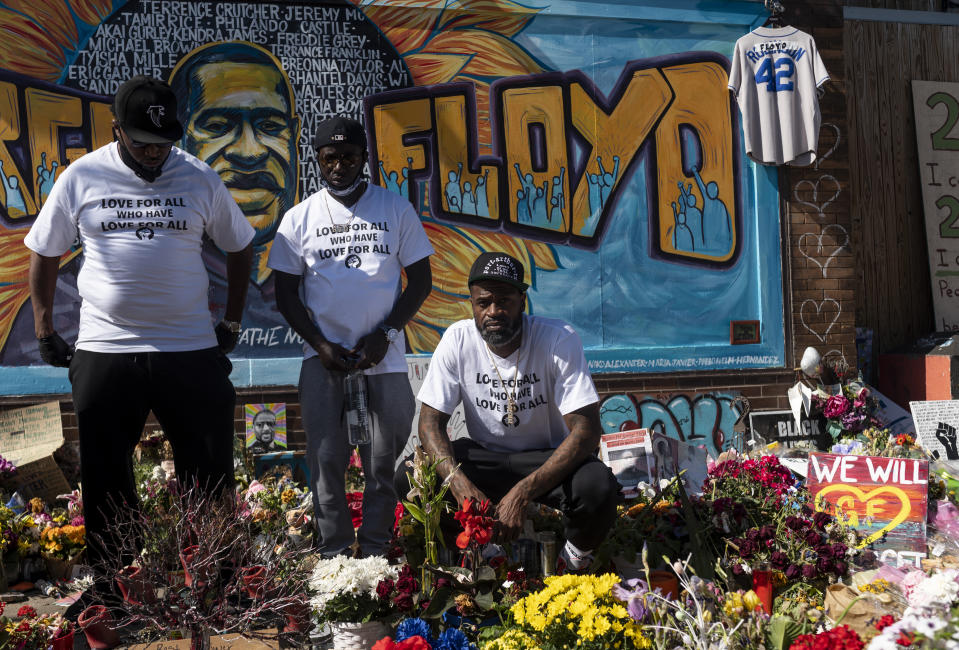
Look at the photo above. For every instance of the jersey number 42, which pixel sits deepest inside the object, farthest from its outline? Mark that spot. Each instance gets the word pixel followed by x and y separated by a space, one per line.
pixel 776 75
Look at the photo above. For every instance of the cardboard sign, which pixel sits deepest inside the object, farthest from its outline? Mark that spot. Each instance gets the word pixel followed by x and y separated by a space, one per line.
pixel 219 642
pixel 28 438
pixel 885 498
pixel 780 426
pixel 937 423
pixel 936 105
pixel 265 427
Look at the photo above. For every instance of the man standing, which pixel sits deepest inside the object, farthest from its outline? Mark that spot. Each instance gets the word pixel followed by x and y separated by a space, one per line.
pixel 348 245
pixel 531 411
pixel 141 208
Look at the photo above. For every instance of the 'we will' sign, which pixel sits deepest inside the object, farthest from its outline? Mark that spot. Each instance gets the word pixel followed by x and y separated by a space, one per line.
pixel 886 498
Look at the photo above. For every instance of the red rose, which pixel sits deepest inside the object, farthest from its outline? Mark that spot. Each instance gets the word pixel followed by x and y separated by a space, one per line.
pixel 403 602
pixel 27 612
pixel 386 643
pixel 407 584
pixel 384 588
pixel 836 406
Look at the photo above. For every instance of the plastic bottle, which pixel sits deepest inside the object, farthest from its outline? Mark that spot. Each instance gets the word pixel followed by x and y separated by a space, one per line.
pixel 359 430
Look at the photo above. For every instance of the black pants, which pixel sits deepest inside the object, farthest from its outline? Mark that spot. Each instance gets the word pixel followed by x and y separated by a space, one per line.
pixel 193 400
pixel 587 497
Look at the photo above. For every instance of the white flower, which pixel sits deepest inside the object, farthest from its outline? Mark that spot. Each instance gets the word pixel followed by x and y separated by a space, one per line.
pixel 341 575
pixel 940 590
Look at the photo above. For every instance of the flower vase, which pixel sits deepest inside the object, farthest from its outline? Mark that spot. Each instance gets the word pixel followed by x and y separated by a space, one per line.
pixel 61 569
pixel 95 622
pixel 299 616
pixel 253 579
pixel 134 587
pixel 666 581
pixel 186 558
pixel 63 642
pixel 763 586
pixel 358 636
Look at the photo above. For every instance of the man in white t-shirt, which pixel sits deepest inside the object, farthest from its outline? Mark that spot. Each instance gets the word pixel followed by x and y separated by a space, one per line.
pixel 348 245
pixel 531 412
pixel 140 208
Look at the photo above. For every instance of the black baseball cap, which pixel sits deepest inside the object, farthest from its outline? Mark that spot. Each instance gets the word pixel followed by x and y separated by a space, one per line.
pixel 146 110
pixel 339 130
pixel 498 267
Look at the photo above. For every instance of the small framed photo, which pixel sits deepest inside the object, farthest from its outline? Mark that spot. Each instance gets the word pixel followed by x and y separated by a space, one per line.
pixel 743 331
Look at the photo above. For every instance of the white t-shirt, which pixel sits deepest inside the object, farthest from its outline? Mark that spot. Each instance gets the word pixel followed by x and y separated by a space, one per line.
pixel 552 380
pixel 143 283
pixel 351 279
pixel 775 73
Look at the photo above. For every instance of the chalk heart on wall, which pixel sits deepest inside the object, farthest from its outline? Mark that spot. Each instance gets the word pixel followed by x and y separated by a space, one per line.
pixel 830 241
pixel 821 308
pixel 841 492
pixel 828 132
pixel 819 189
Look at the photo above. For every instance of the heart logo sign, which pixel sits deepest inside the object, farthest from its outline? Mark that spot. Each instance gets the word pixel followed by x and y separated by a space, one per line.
pixel 849 497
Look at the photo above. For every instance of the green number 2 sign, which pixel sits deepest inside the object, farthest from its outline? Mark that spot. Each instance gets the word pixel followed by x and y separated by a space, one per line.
pixel 940 138
pixel 947 227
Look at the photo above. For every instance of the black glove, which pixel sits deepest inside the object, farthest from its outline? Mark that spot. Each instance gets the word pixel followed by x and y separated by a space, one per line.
pixel 226 339
pixel 55 351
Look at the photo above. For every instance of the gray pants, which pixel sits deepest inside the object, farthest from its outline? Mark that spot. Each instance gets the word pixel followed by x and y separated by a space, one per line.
pixel 391 407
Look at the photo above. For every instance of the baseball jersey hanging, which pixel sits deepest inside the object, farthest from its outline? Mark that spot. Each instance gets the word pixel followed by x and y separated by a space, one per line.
pixel 775 73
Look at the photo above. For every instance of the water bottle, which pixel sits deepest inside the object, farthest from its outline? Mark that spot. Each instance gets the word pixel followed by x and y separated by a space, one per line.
pixel 359 431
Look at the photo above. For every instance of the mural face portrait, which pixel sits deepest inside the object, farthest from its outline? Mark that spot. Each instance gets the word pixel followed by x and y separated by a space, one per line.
pixel 240 121
pixel 264 424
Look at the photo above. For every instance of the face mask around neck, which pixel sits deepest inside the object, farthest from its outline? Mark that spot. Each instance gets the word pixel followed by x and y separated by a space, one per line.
pixel 146 173
pixel 340 193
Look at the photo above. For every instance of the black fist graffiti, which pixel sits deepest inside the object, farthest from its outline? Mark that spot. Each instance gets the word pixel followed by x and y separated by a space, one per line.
pixel 947 436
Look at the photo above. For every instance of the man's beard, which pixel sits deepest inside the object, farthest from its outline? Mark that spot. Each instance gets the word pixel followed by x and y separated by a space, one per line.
pixel 502 336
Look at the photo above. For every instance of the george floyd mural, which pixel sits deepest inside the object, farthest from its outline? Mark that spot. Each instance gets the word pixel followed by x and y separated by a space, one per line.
pixel 598 144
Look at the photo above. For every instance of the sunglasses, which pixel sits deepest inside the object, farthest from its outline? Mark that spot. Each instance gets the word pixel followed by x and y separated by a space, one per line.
pixel 344 159
pixel 136 144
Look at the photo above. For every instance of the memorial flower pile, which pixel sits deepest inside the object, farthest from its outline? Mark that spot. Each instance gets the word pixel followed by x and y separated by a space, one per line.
pixel 31 631
pixel 802 548
pixel 276 503
pixel 847 405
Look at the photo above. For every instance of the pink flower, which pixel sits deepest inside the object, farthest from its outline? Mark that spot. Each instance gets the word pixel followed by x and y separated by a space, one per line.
pixel 255 487
pixel 836 406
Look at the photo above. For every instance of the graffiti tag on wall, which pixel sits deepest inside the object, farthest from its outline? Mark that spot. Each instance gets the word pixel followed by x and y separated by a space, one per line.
pixel 705 419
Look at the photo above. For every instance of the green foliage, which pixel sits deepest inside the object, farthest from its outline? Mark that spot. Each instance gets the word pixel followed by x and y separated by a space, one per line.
pixel 781 631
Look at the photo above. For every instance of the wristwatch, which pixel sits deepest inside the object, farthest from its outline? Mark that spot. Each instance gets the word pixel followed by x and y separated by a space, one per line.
pixel 232 325
pixel 390 332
